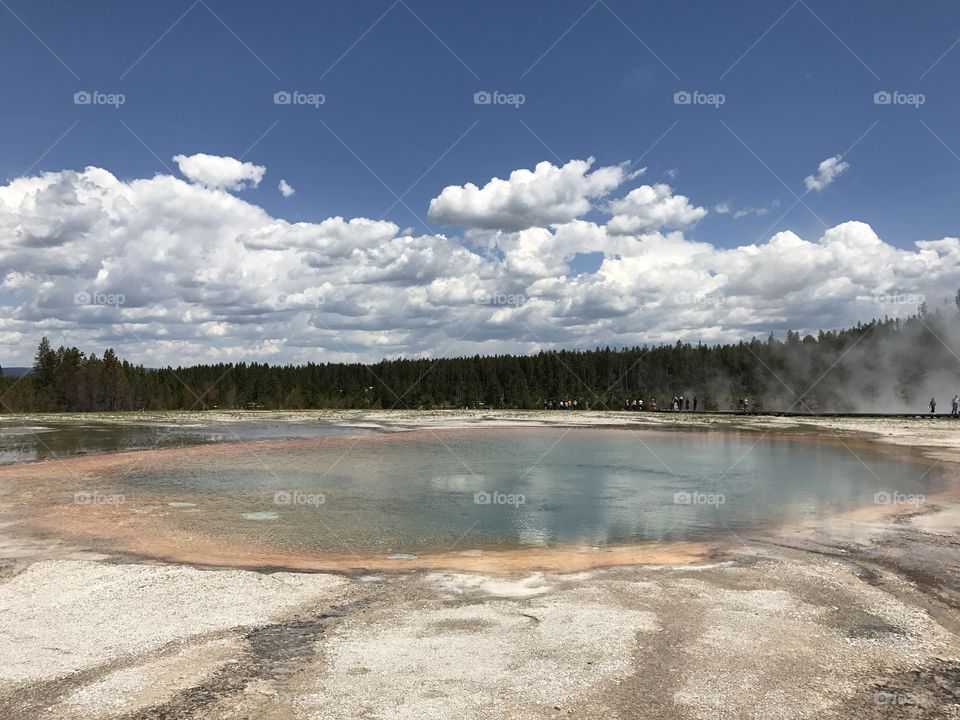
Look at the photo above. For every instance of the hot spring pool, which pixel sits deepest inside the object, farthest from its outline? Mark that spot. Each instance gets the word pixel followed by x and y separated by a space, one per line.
pixel 401 494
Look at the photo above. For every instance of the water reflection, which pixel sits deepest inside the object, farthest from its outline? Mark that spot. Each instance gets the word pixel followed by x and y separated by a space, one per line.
pixel 506 488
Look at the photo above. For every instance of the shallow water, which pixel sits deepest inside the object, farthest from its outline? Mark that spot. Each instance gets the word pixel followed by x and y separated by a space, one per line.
pixel 25 442
pixel 433 491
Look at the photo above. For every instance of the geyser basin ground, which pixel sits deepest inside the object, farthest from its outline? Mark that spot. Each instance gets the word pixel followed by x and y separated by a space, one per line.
pixel 560 497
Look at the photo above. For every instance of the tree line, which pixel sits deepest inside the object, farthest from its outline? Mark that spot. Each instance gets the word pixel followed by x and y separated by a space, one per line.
pixel 889 363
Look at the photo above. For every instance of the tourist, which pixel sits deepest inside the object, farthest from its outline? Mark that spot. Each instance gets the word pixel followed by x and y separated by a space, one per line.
pixel 688 404
pixel 933 406
pixel 694 403
pixel 956 406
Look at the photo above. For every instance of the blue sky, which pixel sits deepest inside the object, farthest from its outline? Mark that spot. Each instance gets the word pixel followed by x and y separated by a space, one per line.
pixel 798 81
pixel 399 99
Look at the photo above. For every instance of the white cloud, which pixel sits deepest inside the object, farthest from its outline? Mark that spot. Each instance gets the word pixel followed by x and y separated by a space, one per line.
pixel 544 196
pixel 285 188
pixel 652 207
pixel 208 276
pixel 746 212
pixel 726 208
pixel 828 171
pixel 216 171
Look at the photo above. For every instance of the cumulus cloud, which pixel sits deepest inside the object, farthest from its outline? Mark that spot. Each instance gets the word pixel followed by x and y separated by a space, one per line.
pixel 828 171
pixel 207 276
pixel 652 207
pixel 285 188
pixel 217 171
pixel 547 195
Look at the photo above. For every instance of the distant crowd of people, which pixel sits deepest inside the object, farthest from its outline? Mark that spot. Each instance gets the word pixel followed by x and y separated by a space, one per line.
pixel 561 405
pixel 678 404
pixel 681 404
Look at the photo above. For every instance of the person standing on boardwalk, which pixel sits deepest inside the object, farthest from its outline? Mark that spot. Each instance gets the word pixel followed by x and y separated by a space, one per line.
pixel 694 403
pixel 955 406
pixel 933 406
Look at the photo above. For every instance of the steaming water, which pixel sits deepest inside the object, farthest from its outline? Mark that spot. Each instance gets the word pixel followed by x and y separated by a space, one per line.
pixel 413 492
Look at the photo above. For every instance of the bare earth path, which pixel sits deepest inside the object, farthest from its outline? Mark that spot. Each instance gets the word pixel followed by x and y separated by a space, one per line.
pixel 858 617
